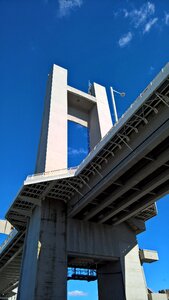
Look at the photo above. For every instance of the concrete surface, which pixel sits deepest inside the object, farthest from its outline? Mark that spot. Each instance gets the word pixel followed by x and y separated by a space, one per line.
pixel 65 103
pixel 5 227
pixel 148 256
pixel 157 296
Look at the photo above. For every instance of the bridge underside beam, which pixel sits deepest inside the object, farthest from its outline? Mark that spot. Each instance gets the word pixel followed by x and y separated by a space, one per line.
pixel 148 178
pixel 140 181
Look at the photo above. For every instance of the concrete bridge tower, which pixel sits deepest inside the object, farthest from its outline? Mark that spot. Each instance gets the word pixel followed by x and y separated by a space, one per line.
pixel 57 236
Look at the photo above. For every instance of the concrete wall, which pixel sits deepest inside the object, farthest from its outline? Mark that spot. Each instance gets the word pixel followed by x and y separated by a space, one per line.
pixel 91 239
pixel 110 282
pixel 108 243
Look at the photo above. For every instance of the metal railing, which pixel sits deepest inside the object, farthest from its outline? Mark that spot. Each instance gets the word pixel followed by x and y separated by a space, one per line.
pixel 81 274
pixel 69 171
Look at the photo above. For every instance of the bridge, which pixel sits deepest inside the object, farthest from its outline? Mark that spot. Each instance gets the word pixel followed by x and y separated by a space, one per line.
pixel 118 183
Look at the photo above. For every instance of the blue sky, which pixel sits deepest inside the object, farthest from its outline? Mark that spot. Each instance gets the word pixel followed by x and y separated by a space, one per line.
pixel 120 43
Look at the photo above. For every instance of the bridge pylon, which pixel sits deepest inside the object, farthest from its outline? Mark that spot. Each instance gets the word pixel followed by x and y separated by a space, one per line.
pixel 53 240
pixel 89 217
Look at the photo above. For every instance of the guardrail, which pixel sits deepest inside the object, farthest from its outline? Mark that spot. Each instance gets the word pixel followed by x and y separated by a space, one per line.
pixel 69 171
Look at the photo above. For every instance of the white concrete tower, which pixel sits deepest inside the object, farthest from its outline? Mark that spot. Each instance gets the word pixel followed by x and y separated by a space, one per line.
pixel 41 278
pixel 65 103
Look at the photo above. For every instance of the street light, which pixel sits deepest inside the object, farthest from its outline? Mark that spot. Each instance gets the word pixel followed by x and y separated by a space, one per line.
pixel 122 94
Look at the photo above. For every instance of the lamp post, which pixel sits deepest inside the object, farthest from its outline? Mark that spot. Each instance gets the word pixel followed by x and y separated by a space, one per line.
pixel 122 94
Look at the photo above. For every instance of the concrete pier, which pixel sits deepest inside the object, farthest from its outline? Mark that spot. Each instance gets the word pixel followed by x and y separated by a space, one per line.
pixel 113 250
pixel 51 278
pixel 110 282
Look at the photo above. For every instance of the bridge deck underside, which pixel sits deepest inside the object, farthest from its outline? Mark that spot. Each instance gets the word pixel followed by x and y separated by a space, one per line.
pixel 133 191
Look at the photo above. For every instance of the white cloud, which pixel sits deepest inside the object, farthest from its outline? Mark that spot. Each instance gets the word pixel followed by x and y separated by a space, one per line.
pixel 141 19
pixel 140 16
pixel 149 25
pixel 125 39
pixel 77 293
pixel 65 6
pixel 126 13
pixel 166 18
pixel 73 151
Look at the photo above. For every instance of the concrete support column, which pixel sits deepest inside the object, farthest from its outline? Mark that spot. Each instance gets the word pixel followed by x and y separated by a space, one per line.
pixel 44 263
pixel 110 282
pixel 100 121
pixel 51 282
pixel 52 154
pixel 29 259
pixel 103 110
pixel 133 275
